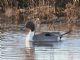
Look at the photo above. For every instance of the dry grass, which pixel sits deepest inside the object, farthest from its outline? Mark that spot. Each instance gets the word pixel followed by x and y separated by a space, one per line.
pixel 42 12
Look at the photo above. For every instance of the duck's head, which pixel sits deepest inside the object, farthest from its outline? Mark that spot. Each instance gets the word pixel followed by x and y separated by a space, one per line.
pixel 30 25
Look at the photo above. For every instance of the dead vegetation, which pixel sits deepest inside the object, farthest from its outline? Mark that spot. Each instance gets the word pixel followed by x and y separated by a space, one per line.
pixel 41 12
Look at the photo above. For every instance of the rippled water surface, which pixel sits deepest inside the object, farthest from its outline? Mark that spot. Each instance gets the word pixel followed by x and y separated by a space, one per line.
pixel 13 48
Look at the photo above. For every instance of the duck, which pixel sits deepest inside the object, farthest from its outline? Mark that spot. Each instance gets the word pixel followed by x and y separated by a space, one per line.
pixel 29 37
pixel 43 36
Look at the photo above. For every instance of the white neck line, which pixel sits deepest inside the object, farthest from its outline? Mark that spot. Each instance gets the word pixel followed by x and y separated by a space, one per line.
pixel 30 35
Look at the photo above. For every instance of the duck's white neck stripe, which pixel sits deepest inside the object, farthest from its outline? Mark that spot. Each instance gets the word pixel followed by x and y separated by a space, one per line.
pixel 30 36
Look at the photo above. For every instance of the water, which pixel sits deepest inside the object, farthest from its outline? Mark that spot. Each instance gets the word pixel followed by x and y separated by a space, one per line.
pixel 13 48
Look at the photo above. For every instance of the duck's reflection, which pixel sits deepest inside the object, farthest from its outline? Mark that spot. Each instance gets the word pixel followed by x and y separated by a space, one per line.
pixel 30 53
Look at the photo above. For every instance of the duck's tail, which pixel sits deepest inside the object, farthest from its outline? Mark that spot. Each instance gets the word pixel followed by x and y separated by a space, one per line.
pixel 65 34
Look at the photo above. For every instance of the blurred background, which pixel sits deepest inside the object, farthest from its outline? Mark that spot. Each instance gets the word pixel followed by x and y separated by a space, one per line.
pixel 48 15
pixel 55 14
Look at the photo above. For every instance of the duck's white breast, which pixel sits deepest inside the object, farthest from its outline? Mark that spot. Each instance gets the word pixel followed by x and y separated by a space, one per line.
pixel 29 40
pixel 29 36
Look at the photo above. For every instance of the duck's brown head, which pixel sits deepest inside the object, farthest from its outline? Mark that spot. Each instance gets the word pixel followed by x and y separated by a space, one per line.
pixel 30 25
